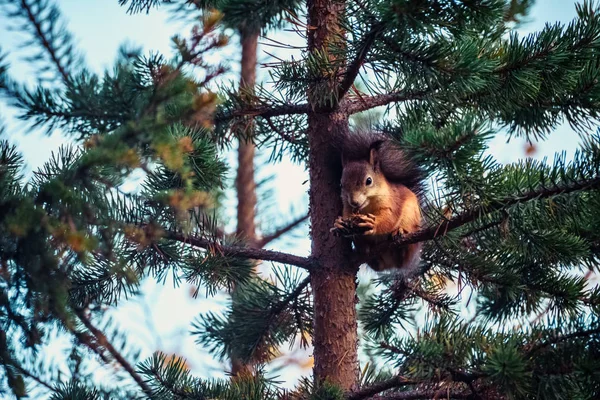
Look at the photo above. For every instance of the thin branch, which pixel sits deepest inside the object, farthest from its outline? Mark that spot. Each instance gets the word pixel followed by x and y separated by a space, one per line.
pixel 281 305
pixel 543 53
pixel 368 102
pixel 264 111
pixel 103 340
pixel 549 306
pixel 427 394
pixel 87 340
pixel 347 107
pixel 281 231
pixel 205 222
pixel 469 216
pixel 354 67
pixel 285 136
pixel 36 378
pixel 482 228
pixel 371 390
pixel 44 41
pixel 292 296
pixel 435 301
pixel 244 252
pixel 179 392
pixel 561 338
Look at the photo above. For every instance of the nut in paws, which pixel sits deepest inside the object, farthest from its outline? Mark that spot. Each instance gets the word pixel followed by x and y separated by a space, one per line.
pixel 357 224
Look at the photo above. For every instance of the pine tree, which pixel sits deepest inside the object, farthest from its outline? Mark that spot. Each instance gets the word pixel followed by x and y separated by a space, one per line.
pixel 452 75
pixel 248 26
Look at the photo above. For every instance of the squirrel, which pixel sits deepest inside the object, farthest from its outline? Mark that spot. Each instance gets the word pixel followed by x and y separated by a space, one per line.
pixel 381 192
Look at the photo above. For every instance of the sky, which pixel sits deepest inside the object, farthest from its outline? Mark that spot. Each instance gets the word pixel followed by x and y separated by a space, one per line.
pixel 100 27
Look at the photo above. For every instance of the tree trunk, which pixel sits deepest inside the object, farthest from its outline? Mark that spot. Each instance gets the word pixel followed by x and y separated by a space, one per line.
pixel 244 182
pixel 334 282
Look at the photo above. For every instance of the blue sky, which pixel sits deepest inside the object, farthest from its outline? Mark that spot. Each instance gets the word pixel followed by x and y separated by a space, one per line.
pixel 100 28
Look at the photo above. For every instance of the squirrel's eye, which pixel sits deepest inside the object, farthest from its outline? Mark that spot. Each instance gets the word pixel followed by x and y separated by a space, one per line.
pixel 369 181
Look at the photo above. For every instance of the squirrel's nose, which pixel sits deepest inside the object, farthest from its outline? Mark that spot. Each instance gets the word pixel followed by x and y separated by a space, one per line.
pixel 354 203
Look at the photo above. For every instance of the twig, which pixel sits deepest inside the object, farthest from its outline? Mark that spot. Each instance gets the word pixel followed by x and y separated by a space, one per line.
pixel 549 306
pixel 44 41
pixel 36 378
pixel 244 252
pixel 431 299
pixel 293 294
pixel 203 221
pixel 281 305
pixel 179 392
pixel 427 394
pixel 348 107
pixel 103 340
pixel 469 216
pixel 354 67
pixel 283 135
pixel 561 338
pixel 368 102
pixel 265 111
pixel 364 393
pixel 281 231
pixel 87 340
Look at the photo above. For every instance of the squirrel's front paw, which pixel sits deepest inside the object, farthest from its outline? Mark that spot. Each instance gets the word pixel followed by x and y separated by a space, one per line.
pixel 346 227
pixel 366 223
pixel 340 227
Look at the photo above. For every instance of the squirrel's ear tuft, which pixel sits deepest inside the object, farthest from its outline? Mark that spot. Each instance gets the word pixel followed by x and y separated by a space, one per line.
pixel 374 159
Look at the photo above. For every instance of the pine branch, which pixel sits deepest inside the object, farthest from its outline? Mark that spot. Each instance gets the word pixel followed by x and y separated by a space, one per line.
pixel 426 394
pixel 417 58
pixel 244 252
pixel 354 68
pixel 281 231
pixel 281 305
pixel 206 222
pixel 44 41
pixel 291 297
pixel 260 319
pixel 561 338
pixel 549 307
pixel 88 341
pixel 349 107
pixel 103 340
pixel 179 392
pixel 36 378
pixel 264 111
pixel 368 102
pixel 469 216
pixel 371 390
pixel 583 41
pixel 285 136
pixel 435 300
pixel 137 6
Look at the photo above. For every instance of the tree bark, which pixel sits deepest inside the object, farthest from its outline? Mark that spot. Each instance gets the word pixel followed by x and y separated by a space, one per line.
pixel 244 183
pixel 334 281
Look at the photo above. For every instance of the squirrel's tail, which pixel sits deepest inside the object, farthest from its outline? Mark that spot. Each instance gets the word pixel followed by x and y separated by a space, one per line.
pixel 403 260
pixel 411 258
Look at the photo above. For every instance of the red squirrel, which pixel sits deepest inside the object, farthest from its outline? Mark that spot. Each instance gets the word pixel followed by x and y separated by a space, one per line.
pixel 381 194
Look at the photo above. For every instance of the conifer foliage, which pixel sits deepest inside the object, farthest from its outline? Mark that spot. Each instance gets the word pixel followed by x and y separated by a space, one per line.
pixel 451 75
